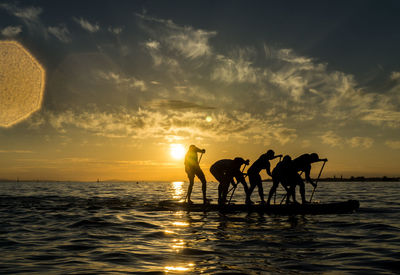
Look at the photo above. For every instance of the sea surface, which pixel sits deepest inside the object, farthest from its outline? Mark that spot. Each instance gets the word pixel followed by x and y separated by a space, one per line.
pixel 113 228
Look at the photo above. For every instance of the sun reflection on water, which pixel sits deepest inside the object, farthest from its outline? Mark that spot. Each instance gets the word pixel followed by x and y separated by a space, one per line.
pixel 189 267
pixel 178 244
pixel 177 187
pixel 183 224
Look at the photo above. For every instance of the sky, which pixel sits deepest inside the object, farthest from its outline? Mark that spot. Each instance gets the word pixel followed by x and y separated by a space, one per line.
pixel 126 81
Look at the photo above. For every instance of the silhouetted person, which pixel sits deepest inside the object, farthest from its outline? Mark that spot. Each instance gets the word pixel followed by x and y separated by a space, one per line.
pixel 283 173
pixel 303 164
pixel 192 169
pixel 225 170
pixel 254 174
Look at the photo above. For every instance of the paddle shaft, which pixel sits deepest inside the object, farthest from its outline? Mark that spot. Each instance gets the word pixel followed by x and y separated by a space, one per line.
pixel 316 182
pixel 234 188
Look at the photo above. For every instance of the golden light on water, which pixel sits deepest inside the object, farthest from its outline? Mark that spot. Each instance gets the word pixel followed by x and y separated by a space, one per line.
pixel 176 268
pixel 178 244
pixel 177 187
pixel 177 151
pixel 22 81
pixel 183 224
pixel 171 268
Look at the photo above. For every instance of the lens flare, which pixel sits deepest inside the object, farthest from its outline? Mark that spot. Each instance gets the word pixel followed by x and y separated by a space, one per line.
pixel 22 81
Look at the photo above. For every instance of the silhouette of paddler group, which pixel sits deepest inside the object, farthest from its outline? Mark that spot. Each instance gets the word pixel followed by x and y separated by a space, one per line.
pixel 230 172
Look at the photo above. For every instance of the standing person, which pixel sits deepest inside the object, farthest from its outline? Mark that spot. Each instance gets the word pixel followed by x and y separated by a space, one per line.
pixel 225 170
pixel 282 173
pixel 192 169
pixel 303 164
pixel 254 174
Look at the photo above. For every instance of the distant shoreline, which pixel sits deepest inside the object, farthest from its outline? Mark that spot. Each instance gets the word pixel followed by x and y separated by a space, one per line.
pixel 331 179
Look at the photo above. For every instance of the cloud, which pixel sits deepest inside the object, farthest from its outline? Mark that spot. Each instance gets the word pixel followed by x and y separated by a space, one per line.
pixel 382 117
pixel 362 142
pixel 184 40
pixel 178 105
pixel 11 31
pixel 145 124
pixel 129 82
pixel 236 69
pixel 395 76
pixel 153 44
pixel 332 139
pixel 26 13
pixel 115 30
pixel 86 25
pixel 61 33
pixel 29 16
pixel 394 144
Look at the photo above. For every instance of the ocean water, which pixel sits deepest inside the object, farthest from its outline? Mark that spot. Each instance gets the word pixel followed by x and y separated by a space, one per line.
pixel 113 228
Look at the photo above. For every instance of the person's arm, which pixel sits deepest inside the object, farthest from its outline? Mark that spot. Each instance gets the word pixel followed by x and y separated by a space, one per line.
pixel 277 156
pixel 239 177
pixel 198 150
pixel 268 168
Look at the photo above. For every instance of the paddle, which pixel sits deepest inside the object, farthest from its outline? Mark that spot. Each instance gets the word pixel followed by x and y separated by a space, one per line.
pixel 234 188
pixel 316 182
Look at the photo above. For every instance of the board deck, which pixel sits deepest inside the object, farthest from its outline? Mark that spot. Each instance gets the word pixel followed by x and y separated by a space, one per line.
pixel 349 206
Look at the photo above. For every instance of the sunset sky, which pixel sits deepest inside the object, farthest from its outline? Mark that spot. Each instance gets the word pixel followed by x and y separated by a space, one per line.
pixel 126 81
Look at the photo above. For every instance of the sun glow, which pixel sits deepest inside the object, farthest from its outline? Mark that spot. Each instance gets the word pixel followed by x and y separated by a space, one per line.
pixel 177 151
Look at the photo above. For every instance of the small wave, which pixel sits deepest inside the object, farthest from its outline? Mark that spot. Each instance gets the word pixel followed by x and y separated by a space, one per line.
pixel 93 222
pixel 8 242
pixel 159 234
pixel 123 258
pixel 144 224
pixel 76 247
pixel 192 251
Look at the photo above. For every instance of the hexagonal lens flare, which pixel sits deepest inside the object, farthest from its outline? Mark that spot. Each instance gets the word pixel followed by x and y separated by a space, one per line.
pixel 22 82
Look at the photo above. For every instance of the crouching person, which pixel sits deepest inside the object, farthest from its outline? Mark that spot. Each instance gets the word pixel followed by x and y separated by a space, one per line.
pixel 225 171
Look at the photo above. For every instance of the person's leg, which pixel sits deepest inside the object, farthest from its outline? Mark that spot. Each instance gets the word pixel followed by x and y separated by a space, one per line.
pixel 246 188
pixel 260 190
pixel 303 192
pixel 191 182
pixel 275 183
pixel 220 178
pixel 224 191
pixel 291 193
pixel 202 178
pixel 299 181
pixel 252 182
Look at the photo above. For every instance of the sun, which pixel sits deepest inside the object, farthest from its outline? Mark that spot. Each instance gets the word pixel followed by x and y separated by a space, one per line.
pixel 177 151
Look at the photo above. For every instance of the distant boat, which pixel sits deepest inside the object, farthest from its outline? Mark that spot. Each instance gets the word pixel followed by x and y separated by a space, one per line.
pixel 98 180
pixel 349 206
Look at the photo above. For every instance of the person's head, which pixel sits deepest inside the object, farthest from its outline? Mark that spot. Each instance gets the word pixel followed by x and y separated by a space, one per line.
pixel 286 159
pixel 239 161
pixel 314 157
pixel 192 147
pixel 270 154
